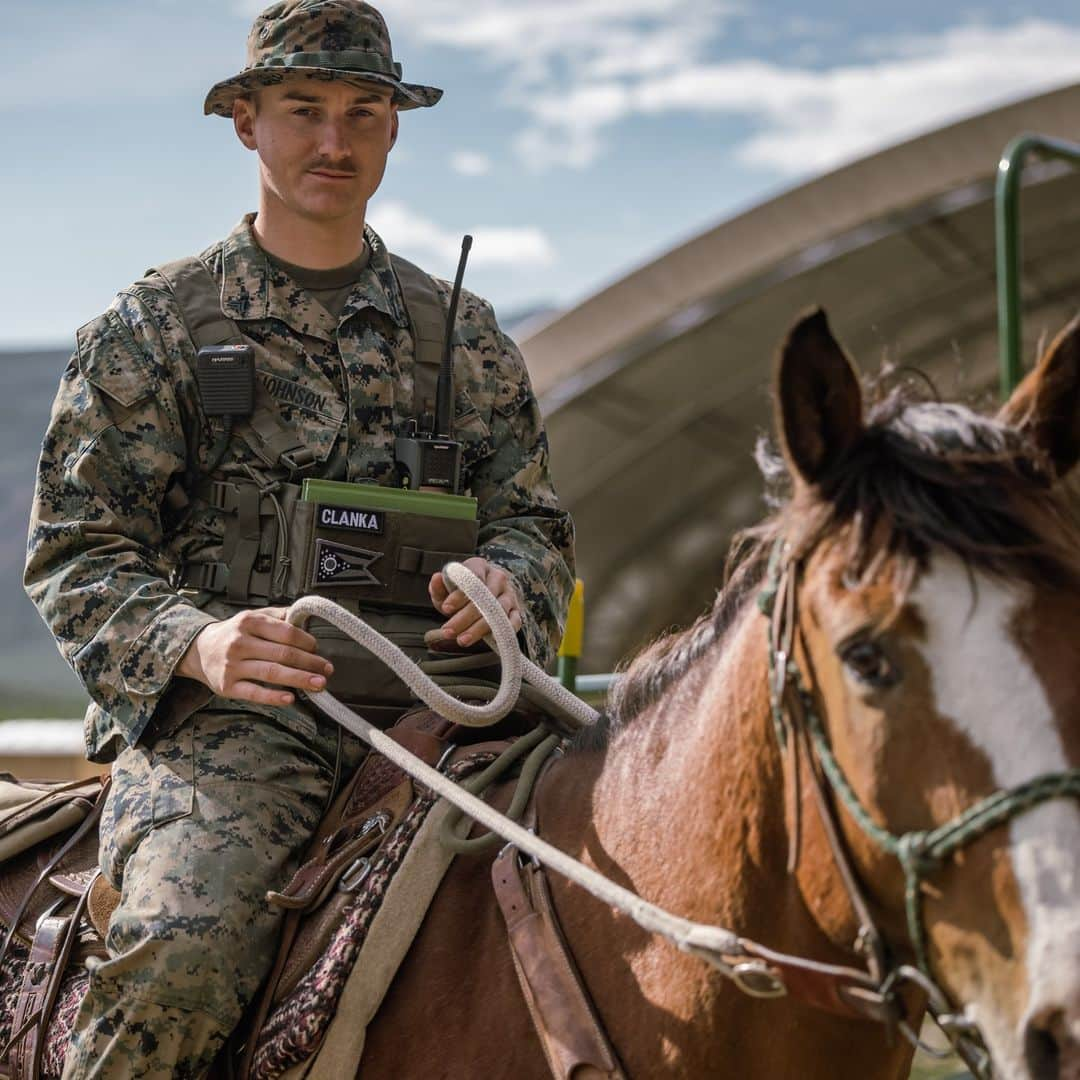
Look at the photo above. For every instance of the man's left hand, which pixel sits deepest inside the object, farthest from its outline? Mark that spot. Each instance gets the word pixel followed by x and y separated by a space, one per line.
pixel 466 624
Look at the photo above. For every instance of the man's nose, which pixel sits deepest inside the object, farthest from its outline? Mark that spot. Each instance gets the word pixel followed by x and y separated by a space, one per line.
pixel 333 142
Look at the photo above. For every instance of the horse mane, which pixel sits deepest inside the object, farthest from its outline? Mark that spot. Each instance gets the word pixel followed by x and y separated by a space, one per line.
pixel 923 474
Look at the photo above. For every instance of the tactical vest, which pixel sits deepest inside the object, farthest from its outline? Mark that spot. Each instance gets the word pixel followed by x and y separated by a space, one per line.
pixel 277 545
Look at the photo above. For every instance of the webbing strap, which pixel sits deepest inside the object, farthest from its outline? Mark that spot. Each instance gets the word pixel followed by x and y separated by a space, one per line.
pixel 276 444
pixel 198 297
pixel 199 300
pixel 427 324
pixel 414 560
pixel 248 534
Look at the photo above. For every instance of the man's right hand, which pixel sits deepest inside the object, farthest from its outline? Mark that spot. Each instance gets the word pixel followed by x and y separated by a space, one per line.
pixel 235 656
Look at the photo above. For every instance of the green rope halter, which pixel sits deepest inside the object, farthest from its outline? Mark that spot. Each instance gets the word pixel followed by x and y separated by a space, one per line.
pixel 919 852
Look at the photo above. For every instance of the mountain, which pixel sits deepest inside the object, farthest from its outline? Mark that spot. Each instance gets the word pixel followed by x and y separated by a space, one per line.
pixel 34 680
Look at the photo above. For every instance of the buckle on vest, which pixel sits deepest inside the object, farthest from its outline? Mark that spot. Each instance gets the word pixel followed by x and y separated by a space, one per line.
pixel 222 496
pixel 297 460
pixel 208 576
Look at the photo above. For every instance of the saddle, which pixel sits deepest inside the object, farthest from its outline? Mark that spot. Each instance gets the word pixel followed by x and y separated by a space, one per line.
pixel 55 905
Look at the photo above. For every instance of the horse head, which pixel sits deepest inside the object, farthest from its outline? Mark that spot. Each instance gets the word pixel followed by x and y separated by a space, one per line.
pixel 936 616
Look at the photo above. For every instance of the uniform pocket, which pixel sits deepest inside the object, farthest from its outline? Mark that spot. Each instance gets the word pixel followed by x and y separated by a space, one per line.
pixel 151 785
pixel 311 412
pixel 172 774
pixel 474 433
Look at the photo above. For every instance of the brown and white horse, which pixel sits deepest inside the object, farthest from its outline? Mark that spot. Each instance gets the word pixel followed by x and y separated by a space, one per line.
pixel 936 562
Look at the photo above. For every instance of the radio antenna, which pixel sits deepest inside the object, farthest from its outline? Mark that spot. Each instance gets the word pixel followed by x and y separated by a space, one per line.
pixel 444 394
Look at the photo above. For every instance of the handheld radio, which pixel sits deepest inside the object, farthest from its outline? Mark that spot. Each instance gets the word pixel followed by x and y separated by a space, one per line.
pixel 431 460
pixel 226 378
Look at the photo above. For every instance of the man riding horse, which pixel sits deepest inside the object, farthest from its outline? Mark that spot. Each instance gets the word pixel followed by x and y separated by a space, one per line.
pixel 164 544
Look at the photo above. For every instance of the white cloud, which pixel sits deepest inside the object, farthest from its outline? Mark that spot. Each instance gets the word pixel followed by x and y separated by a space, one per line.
pixel 470 163
pixel 569 64
pixel 577 68
pixel 409 232
pixel 812 119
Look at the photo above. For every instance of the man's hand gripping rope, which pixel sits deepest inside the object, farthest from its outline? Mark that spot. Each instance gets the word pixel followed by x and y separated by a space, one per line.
pixel 502 639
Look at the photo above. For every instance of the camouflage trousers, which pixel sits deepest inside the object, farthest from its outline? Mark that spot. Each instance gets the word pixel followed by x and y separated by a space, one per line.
pixel 200 823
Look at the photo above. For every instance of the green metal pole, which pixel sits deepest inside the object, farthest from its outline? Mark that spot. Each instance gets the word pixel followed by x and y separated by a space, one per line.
pixel 1010 175
pixel 1006 205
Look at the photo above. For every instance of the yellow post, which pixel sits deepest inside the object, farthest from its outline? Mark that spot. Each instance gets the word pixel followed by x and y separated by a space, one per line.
pixel 573 638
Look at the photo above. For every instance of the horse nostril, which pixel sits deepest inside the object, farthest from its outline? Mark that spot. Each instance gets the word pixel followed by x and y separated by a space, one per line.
pixel 1048 1046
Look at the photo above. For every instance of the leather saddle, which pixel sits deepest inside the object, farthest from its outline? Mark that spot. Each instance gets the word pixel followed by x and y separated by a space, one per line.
pixel 55 905
pixel 54 908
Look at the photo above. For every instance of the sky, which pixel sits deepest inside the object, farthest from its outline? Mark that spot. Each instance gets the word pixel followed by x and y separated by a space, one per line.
pixel 577 139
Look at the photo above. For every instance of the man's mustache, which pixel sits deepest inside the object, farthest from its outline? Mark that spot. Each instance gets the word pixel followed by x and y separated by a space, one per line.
pixel 330 166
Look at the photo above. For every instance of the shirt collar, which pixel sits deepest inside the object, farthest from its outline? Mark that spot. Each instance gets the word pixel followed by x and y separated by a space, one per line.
pixel 254 289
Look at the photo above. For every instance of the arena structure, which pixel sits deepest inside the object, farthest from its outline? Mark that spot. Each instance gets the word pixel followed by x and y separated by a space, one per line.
pixel 656 388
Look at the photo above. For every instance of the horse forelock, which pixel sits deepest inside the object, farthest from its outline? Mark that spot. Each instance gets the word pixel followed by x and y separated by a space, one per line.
pixel 923 475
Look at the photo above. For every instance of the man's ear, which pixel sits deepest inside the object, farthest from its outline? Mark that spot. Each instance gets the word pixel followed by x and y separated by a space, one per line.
pixel 243 116
pixel 394 126
pixel 1046 405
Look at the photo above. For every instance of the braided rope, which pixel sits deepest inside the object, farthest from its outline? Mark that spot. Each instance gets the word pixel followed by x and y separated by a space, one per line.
pixel 502 639
pixel 711 943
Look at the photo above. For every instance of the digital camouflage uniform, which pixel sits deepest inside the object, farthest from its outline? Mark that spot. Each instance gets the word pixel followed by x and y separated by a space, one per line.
pixel 214 801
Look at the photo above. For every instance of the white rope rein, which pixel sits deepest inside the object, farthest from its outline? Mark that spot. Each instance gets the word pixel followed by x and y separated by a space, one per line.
pixel 709 942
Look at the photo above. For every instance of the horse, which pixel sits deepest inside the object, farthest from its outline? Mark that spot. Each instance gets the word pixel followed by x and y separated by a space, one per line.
pixel 926 559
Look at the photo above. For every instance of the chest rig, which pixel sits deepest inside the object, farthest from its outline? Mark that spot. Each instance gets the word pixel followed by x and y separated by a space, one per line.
pixel 290 533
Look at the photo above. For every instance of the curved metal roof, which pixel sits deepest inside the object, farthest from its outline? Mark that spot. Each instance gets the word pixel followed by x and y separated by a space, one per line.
pixel 656 388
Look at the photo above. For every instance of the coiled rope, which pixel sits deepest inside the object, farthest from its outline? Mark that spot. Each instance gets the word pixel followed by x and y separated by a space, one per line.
pixel 711 943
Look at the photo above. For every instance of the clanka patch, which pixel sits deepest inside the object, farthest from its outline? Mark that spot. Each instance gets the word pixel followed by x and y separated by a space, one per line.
pixel 339 564
pixel 344 517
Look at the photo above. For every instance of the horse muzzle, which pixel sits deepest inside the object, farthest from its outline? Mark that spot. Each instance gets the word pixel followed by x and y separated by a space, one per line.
pixel 1052 1041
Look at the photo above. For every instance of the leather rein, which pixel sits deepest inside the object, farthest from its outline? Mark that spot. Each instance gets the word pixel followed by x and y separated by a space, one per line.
pixel 800 731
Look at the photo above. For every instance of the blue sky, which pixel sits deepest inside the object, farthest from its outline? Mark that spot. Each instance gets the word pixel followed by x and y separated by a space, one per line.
pixel 577 138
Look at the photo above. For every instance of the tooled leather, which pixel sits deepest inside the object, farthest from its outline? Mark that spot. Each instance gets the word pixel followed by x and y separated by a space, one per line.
pixel 339 850
pixel 420 730
pixel 318 925
pixel 38 972
pixel 74 882
pixel 20 874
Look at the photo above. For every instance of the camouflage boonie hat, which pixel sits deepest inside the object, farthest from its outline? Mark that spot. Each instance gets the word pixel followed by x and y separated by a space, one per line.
pixel 322 39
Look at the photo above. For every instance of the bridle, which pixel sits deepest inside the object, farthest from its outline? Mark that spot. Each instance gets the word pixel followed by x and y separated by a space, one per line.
pixel 800 730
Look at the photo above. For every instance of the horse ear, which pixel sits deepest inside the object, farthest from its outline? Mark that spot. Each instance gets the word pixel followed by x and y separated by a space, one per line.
pixel 1046 405
pixel 818 400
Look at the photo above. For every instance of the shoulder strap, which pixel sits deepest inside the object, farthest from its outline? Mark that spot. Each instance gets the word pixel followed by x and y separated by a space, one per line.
pixel 427 323
pixel 199 299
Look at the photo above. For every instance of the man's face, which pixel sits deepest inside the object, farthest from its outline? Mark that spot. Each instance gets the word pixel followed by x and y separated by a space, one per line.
pixel 322 145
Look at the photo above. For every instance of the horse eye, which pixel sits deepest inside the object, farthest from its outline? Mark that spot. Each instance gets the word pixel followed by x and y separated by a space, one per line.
pixel 870 664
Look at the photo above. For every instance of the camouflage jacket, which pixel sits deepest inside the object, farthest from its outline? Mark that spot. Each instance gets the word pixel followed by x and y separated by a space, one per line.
pixel 127 422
